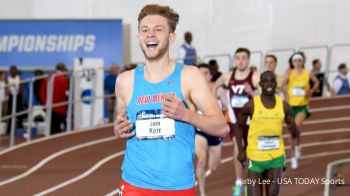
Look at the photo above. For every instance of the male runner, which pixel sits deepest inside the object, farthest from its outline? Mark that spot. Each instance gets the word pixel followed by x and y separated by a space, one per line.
pixel 242 87
pixel 265 150
pixel 270 65
pixel 152 113
pixel 205 143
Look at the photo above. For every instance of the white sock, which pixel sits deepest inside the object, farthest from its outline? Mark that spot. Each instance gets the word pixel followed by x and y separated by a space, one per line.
pixel 208 172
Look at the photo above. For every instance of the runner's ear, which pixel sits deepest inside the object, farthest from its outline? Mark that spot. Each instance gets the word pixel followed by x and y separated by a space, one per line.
pixel 172 37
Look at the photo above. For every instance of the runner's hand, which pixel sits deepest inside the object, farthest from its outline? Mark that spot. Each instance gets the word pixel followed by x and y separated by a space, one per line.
pixel 242 157
pixel 309 93
pixel 174 108
pixel 248 88
pixel 122 127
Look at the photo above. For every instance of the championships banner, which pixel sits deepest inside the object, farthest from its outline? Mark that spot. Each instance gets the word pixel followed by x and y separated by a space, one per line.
pixel 47 42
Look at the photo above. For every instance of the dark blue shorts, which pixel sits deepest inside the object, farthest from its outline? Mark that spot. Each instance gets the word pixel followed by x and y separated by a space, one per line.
pixel 212 140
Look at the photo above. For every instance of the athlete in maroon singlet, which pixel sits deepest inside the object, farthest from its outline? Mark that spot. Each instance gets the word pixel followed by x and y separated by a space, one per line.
pixel 242 86
pixel 237 98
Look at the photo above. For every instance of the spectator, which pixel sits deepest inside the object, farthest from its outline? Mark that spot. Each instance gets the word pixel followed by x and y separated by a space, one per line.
pixel 2 93
pixel 110 88
pixel 15 89
pixel 129 67
pixel 37 84
pixel 316 70
pixel 187 53
pixel 60 87
pixel 341 82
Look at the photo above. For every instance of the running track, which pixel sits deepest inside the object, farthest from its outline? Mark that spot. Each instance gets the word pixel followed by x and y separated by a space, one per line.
pixel 87 162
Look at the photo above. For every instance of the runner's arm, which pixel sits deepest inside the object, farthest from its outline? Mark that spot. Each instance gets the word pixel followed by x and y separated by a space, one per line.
pixel 330 89
pixel 256 80
pixel 314 79
pixel 292 127
pixel 122 125
pixel 212 121
pixel 285 78
pixel 247 111
pixel 221 93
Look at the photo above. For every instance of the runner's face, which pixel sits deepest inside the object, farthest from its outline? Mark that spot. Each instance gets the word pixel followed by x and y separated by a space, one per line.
pixel 344 71
pixel 154 36
pixel 241 61
pixel 270 64
pixel 268 84
pixel 298 63
pixel 206 73
pixel 317 66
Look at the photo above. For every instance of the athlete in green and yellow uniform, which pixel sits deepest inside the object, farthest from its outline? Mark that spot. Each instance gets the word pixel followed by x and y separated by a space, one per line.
pixel 298 92
pixel 265 150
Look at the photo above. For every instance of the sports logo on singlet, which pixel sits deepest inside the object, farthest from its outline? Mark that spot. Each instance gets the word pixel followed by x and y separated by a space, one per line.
pixel 152 124
pixel 238 99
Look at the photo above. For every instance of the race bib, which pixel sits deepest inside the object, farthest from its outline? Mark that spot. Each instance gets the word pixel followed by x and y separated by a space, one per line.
pixel 152 124
pixel 238 101
pixel 298 91
pixel 268 142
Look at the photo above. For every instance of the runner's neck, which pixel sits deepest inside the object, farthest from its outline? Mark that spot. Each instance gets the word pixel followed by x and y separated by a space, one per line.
pixel 157 71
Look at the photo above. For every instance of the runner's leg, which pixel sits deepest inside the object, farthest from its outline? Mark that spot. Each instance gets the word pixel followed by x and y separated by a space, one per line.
pixel 255 189
pixel 201 147
pixel 272 189
pixel 214 157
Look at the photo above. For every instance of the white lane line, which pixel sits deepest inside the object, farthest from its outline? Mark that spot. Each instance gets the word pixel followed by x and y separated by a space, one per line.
pixel 321 132
pixel 327 120
pixel 288 160
pixel 322 154
pixel 109 125
pixel 225 160
pixel 116 191
pixel 53 156
pixel 329 97
pixel 81 176
pixel 305 145
pixel 322 143
pixel 53 137
pixel 322 109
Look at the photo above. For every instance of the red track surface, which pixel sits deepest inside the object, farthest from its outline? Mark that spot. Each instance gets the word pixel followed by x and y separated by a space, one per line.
pixel 326 133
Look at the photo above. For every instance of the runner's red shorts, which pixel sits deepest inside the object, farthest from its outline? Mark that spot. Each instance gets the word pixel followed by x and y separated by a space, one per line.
pixel 127 189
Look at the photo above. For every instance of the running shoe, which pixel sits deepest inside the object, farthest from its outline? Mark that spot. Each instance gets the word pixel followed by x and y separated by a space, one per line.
pixel 294 163
pixel 237 190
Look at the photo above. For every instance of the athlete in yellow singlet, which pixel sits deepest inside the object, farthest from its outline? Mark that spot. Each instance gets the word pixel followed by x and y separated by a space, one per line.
pixel 265 150
pixel 297 93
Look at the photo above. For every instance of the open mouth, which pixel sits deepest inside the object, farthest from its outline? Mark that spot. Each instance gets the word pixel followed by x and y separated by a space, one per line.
pixel 151 44
pixel 269 89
